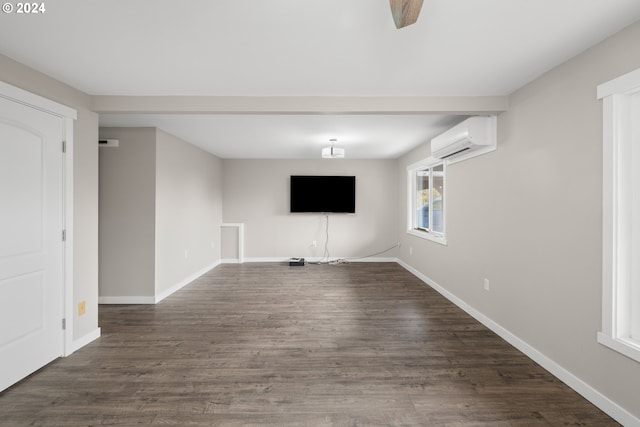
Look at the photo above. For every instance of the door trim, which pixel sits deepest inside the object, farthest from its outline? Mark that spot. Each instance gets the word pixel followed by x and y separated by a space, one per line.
pixel 68 115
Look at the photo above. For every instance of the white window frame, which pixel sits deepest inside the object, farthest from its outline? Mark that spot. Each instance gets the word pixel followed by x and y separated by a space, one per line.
pixel 621 241
pixel 412 169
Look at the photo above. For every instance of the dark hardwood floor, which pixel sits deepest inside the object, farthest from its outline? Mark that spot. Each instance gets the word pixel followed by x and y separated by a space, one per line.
pixel 320 345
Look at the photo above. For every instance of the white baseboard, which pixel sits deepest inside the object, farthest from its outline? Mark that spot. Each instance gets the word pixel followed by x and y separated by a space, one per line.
pixel 370 259
pixel 82 341
pixel 156 299
pixel 230 261
pixel 127 300
pixel 614 410
pixel 318 259
pixel 184 282
pixel 247 260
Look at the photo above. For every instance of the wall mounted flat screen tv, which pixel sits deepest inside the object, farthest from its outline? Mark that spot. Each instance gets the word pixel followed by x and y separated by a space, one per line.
pixel 322 194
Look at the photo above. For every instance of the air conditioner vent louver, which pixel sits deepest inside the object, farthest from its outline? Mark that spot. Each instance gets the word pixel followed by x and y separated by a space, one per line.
pixel 456 152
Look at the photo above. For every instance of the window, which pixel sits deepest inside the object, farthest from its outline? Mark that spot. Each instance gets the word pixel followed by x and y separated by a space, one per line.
pixel 621 215
pixel 426 200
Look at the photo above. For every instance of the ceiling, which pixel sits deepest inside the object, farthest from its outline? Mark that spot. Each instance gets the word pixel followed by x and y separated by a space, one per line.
pixel 284 136
pixel 304 48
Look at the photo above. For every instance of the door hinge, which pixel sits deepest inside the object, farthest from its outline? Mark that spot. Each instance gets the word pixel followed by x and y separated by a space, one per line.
pixel 64 146
pixel 64 324
pixel 64 235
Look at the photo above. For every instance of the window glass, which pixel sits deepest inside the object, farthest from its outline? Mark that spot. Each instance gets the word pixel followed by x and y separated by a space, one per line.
pixel 427 200
pixel 422 199
pixel 437 199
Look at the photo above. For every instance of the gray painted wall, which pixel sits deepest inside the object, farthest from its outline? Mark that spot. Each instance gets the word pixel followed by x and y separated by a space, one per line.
pixel 528 218
pixel 188 210
pixel 128 213
pixel 160 212
pixel 256 192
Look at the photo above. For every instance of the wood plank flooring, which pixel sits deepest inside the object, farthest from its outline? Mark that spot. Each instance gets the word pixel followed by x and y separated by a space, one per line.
pixel 321 345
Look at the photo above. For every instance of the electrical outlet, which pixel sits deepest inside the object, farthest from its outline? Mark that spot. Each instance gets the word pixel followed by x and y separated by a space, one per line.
pixel 410 250
pixel 314 244
pixel 213 245
pixel 82 308
pixel 186 254
pixel 486 284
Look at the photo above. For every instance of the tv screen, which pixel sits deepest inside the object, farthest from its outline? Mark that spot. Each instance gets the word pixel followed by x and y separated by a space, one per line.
pixel 323 194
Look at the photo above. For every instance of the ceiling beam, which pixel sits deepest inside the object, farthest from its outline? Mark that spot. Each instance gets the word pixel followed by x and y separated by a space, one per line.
pixel 462 105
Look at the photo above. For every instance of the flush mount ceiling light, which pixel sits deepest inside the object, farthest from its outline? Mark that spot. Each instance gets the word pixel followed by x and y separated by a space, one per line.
pixel 332 152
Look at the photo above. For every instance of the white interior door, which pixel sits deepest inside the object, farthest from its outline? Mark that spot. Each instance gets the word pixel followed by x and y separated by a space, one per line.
pixel 31 246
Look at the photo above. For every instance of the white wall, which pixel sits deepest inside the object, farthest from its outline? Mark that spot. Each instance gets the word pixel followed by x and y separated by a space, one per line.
pixel 528 218
pixel 128 213
pixel 256 192
pixel 188 211
pixel 85 193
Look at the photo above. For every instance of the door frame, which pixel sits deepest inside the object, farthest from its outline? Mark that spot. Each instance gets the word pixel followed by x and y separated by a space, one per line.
pixel 68 115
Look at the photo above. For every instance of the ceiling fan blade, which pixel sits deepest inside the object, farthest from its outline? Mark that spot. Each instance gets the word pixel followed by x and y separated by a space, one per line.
pixel 405 12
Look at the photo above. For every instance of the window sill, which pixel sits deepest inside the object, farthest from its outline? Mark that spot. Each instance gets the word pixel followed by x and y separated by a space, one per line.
pixel 428 236
pixel 629 348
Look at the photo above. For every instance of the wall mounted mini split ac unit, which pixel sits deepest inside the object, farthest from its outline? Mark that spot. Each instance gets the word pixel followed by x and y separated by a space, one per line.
pixel 472 137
